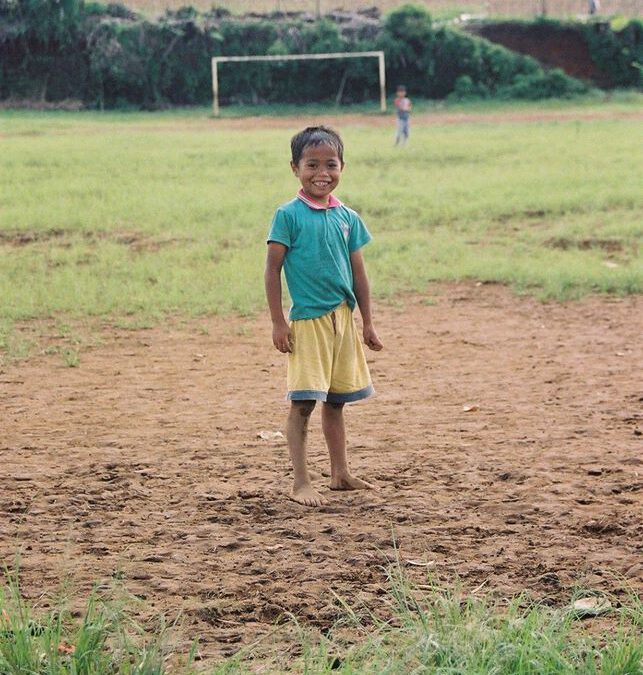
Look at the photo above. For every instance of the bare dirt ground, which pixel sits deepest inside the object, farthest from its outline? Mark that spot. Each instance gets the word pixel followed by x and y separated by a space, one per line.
pixel 342 120
pixel 435 118
pixel 145 463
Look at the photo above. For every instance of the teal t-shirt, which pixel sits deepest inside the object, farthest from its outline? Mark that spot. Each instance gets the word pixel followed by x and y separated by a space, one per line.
pixel 317 264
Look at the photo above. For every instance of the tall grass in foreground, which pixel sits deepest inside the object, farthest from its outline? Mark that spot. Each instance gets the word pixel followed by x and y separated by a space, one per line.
pixel 422 628
pixel 105 640
pixel 427 628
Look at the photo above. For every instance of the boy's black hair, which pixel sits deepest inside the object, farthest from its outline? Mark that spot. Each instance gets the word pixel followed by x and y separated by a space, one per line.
pixel 400 86
pixel 315 136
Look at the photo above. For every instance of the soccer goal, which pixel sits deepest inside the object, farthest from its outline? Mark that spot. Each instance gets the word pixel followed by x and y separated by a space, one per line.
pixel 216 60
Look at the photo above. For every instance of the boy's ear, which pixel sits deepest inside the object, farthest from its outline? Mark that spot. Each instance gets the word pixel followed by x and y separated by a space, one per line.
pixel 293 166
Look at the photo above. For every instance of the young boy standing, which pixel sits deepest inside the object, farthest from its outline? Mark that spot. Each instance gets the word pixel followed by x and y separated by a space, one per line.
pixel 318 241
pixel 403 112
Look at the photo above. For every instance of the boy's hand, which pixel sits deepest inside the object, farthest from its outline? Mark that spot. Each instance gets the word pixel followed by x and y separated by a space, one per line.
pixel 371 340
pixel 282 337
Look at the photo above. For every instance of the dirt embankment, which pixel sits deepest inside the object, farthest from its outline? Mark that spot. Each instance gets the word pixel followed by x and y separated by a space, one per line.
pixel 554 47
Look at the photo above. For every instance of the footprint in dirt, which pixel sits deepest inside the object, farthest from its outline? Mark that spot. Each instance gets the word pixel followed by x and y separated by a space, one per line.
pixel 288 533
pixel 233 545
pixel 602 527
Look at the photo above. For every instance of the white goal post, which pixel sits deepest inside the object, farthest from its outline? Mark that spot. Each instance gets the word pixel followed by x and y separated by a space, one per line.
pixel 216 60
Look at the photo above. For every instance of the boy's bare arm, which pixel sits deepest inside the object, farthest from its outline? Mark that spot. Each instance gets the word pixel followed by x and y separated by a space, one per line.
pixel 281 336
pixel 363 295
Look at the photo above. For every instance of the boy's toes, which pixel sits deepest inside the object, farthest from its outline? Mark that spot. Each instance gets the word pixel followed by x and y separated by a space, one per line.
pixel 349 482
pixel 308 496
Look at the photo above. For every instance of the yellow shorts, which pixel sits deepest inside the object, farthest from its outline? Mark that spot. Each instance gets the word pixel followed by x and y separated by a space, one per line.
pixel 327 362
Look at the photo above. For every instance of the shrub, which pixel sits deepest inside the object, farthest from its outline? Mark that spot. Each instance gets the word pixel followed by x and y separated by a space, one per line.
pixel 107 56
pixel 465 88
pixel 617 53
pixel 551 84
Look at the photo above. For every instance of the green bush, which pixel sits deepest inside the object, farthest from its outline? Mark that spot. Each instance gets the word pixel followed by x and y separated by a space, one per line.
pixel 37 39
pixel 551 84
pixel 465 88
pixel 487 65
pixel 617 53
pixel 407 38
pixel 530 86
pixel 108 56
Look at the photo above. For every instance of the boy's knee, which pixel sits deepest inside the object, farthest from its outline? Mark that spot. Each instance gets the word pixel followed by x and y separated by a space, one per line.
pixel 335 406
pixel 305 408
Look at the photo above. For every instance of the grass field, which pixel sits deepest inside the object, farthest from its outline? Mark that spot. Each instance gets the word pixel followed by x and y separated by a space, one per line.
pixel 147 214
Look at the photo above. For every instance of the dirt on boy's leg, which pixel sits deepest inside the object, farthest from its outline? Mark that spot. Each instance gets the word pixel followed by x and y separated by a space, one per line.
pixel 296 432
pixel 335 435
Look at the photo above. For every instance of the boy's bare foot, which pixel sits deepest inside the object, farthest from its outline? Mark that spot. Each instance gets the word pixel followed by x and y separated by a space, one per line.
pixel 348 482
pixel 308 496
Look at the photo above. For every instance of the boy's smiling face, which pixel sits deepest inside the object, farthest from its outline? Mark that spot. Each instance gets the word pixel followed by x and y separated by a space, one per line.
pixel 319 171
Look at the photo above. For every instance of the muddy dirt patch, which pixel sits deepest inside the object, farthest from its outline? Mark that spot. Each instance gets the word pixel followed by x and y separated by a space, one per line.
pixel 505 438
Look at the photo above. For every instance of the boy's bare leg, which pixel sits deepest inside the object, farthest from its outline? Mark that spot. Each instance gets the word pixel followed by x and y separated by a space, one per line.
pixel 296 432
pixel 335 435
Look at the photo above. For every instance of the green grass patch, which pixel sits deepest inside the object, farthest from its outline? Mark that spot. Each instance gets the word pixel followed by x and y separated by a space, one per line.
pixel 427 628
pixel 102 638
pixel 421 627
pixel 14 346
pixel 135 216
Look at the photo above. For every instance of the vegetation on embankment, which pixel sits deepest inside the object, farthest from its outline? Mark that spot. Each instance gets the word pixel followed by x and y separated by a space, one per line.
pixel 107 56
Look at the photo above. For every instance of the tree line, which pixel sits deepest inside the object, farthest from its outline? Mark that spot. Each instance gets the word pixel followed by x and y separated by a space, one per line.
pixel 107 56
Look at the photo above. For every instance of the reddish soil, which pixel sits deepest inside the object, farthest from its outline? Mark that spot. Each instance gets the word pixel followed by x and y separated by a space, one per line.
pixel 425 119
pixel 559 47
pixel 145 463
pixel 340 120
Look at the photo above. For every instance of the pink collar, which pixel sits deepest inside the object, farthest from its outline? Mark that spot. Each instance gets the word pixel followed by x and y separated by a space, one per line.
pixel 333 202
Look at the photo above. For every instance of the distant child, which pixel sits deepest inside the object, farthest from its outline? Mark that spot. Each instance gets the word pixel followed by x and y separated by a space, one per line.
pixel 403 107
pixel 318 241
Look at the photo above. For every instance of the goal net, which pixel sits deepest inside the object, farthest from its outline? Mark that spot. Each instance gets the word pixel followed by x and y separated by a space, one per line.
pixel 216 60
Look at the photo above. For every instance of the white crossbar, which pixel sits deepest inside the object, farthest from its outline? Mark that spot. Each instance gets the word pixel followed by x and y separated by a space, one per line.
pixel 216 60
